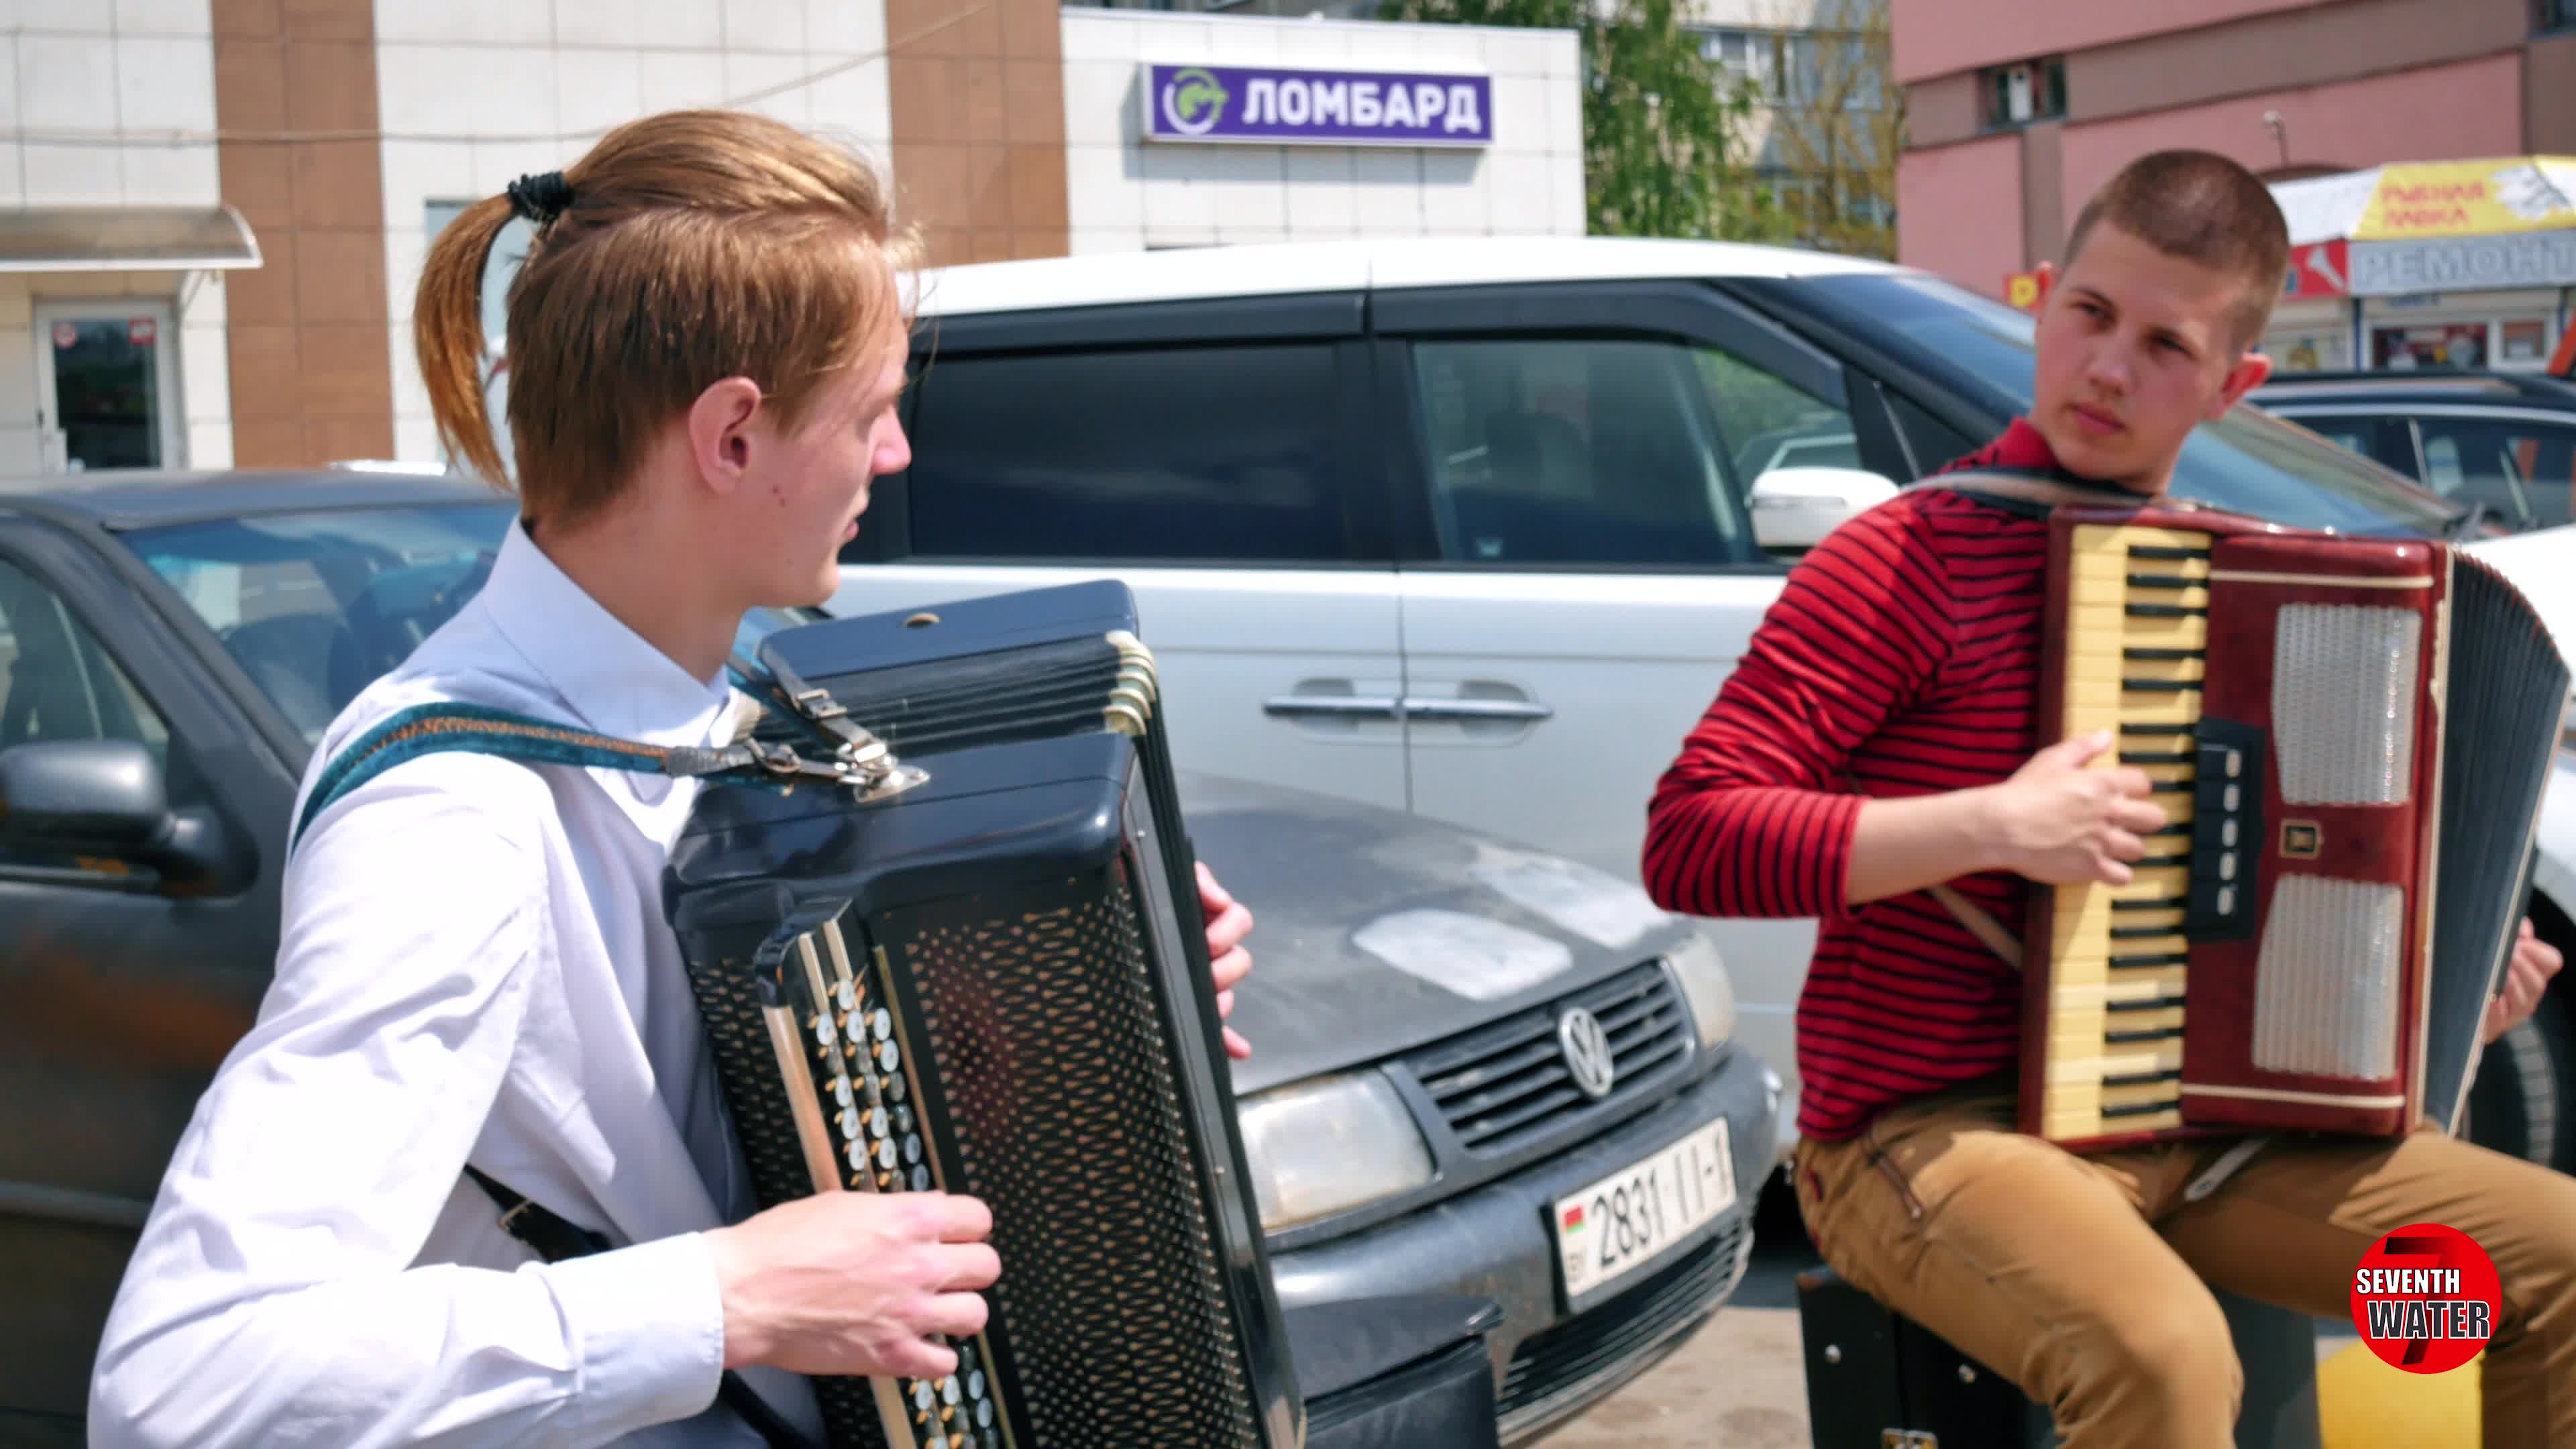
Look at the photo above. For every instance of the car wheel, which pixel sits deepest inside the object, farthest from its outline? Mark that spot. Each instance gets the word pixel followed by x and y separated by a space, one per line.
pixel 2523 1102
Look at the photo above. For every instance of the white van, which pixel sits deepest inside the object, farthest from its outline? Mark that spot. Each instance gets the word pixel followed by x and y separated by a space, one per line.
pixel 1477 527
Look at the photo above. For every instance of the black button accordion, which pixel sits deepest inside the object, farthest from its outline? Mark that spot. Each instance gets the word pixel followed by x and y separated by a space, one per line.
pixel 988 974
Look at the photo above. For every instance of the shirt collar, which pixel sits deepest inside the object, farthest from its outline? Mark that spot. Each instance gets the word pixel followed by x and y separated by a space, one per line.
pixel 2023 449
pixel 611 678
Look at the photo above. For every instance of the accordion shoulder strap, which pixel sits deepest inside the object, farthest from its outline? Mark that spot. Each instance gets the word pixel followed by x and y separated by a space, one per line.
pixel 2031 488
pixel 553 1239
pixel 429 728
pixel 1981 924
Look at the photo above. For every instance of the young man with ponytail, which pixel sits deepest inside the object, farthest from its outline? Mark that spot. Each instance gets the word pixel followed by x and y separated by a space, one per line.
pixel 475 993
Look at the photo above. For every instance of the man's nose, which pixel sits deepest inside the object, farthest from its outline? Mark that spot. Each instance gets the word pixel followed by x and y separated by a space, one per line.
pixel 2108 367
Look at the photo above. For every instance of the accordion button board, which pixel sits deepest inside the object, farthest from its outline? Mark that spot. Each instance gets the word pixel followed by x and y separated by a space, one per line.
pixel 2349 738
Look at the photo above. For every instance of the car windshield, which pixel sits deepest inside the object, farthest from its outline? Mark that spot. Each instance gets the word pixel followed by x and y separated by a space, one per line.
pixel 2247 461
pixel 315 605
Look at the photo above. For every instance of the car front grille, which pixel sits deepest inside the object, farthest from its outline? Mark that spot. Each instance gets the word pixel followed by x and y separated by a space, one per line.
pixel 1588 1353
pixel 1507 1086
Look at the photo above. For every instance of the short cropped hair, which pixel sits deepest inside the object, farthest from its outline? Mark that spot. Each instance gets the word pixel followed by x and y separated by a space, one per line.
pixel 683 249
pixel 2205 209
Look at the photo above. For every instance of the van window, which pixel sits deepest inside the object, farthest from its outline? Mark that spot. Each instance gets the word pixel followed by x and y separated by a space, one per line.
pixel 1220 454
pixel 1569 450
pixel 2523 469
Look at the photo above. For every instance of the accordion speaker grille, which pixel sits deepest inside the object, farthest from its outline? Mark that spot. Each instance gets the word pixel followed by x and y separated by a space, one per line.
pixel 1095 1196
pixel 2343 703
pixel 2326 994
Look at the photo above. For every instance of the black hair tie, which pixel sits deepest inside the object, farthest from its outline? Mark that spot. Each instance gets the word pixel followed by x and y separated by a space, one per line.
pixel 540 198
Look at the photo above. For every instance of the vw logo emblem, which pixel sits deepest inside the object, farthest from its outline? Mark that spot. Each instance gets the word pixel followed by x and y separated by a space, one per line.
pixel 1587 1052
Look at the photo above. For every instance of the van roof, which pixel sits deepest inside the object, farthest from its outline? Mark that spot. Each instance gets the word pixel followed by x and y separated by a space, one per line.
pixel 1098 279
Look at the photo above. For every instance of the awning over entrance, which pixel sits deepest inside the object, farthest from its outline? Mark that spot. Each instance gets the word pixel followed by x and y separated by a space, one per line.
pixel 2422 226
pixel 124 239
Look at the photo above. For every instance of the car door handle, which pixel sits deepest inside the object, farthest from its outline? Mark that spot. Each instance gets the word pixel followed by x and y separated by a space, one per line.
pixel 1344 706
pixel 1419 707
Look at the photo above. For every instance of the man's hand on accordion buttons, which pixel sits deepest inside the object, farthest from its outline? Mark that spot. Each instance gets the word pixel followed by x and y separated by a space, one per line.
pixel 855 1283
pixel 2525 978
pixel 1229 921
pixel 2062 821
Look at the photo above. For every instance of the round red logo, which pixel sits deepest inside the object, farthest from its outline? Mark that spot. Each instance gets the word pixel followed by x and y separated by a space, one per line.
pixel 2424 1298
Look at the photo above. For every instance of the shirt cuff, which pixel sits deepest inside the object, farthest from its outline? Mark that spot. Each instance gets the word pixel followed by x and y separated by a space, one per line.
pixel 648 1323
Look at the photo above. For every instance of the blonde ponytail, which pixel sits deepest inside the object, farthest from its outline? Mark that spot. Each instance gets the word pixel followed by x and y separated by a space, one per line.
pixel 447 335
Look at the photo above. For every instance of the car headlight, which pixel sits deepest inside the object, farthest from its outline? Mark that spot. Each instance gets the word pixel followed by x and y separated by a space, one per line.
pixel 1330 1145
pixel 1707 987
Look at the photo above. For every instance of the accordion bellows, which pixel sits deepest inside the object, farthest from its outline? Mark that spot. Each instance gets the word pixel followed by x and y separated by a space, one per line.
pixel 2350 738
pixel 995 983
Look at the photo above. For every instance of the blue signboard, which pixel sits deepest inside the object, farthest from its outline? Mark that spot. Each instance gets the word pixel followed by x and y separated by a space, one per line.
pixel 1278 105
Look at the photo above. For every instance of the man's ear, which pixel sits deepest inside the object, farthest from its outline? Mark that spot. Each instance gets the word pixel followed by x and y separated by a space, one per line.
pixel 2248 374
pixel 721 432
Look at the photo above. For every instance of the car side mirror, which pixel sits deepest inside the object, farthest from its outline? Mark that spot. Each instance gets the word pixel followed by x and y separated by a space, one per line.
pixel 105 798
pixel 1794 508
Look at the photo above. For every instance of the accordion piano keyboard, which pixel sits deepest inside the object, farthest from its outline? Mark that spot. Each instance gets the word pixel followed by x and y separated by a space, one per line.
pixel 2136 635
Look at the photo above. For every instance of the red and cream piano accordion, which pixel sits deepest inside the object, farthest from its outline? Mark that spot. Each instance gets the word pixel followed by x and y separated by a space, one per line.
pixel 2350 738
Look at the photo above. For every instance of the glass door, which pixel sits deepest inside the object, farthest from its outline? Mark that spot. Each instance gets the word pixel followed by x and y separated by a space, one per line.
pixel 107 386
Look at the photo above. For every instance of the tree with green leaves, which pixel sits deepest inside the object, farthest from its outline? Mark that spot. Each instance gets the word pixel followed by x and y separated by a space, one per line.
pixel 1663 126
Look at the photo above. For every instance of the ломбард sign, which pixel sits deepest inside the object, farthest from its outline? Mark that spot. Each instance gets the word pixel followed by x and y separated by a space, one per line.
pixel 1278 105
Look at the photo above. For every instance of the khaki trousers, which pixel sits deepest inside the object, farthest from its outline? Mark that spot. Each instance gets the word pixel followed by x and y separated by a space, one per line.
pixel 2086 1280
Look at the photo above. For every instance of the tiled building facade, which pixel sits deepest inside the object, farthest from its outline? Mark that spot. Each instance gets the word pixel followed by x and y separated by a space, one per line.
pixel 222 205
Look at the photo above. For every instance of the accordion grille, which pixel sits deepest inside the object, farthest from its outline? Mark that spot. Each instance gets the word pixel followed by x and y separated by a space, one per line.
pixel 2326 994
pixel 2343 702
pixel 1044 1047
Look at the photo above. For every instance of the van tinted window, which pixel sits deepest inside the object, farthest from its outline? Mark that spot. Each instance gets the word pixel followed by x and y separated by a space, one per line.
pixel 1608 451
pixel 1199 453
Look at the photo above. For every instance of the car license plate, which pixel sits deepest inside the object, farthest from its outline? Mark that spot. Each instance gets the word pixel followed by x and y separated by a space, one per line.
pixel 1625 1221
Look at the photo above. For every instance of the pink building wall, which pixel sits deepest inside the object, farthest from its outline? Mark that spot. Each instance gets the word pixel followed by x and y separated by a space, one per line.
pixel 1959 207
pixel 1958 211
pixel 2439 113
pixel 1937 37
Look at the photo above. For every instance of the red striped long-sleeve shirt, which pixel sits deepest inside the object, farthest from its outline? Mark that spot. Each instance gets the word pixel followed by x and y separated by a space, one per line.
pixel 1903 654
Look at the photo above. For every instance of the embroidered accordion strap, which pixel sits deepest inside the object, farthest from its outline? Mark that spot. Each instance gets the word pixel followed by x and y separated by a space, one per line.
pixel 553 1239
pixel 429 728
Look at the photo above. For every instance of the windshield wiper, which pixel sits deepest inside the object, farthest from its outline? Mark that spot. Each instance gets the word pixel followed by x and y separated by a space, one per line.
pixel 2478 512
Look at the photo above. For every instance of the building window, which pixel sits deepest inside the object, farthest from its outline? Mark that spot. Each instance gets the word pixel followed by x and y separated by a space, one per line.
pixel 2556 14
pixel 2027 91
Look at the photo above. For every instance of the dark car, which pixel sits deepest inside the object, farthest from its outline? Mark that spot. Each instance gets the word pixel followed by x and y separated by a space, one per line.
pixel 2505 440
pixel 1417 1117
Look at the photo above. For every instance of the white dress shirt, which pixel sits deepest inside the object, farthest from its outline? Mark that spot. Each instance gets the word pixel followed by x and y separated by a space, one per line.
pixel 474 965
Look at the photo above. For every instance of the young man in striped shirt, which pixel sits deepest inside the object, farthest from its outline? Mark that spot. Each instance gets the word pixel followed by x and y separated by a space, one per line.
pixel 1877 741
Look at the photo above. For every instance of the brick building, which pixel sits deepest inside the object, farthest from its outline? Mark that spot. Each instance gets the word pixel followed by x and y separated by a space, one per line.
pixel 2017 109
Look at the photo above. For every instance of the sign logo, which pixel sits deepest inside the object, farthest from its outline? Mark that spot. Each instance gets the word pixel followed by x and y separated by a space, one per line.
pixel 1587 1052
pixel 2425 1298
pixel 1285 106
pixel 2318 269
pixel 1193 101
